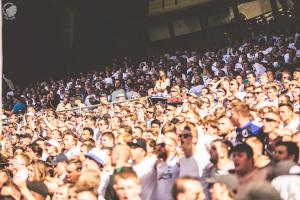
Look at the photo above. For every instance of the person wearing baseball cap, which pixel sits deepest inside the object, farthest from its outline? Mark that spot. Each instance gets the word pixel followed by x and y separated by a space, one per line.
pixel 53 148
pixel 95 159
pixel 143 166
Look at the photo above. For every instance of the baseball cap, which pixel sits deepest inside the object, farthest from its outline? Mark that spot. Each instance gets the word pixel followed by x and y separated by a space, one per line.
pixel 54 143
pixel 229 180
pixel 96 155
pixel 138 142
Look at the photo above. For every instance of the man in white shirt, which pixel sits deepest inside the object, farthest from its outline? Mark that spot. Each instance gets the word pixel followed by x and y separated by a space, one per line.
pixel 167 168
pixel 70 144
pixel 143 167
pixel 192 163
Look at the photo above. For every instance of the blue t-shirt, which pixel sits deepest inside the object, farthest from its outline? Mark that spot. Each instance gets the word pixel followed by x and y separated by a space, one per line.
pixel 19 107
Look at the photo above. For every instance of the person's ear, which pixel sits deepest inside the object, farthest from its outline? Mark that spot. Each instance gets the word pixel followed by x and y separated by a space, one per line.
pixel 195 140
pixel 115 187
pixel 292 157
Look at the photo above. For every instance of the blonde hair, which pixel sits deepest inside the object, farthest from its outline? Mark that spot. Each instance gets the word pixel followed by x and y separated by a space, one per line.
pixel 40 170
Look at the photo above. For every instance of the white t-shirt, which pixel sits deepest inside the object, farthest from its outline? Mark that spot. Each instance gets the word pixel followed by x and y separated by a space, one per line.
pixel 192 166
pixel 259 69
pixel 73 152
pixel 196 89
pixel 288 186
pixel 167 172
pixel 146 172
pixel 105 177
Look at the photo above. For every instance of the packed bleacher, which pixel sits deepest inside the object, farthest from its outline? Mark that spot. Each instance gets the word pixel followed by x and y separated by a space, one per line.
pixel 221 124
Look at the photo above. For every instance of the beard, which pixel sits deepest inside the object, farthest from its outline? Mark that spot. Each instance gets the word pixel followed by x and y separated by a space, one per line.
pixel 163 155
pixel 213 160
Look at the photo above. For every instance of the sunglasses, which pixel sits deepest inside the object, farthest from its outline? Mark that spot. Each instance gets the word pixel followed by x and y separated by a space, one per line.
pixel 185 135
pixel 162 144
pixel 269 120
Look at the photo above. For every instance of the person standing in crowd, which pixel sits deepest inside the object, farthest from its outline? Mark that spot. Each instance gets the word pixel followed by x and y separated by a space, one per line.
pixel 18 108
pixel 167 168
pixel 143 167
pixel 118 90
pixel 193 162
pixel 128 185
pixel 245 170
pixel 240 114
pixel 187 188
pixel 162 84
pixel 286 151
pixel 177 148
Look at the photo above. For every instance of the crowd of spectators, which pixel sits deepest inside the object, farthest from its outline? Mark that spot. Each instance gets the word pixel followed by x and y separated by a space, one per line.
pixel 221 124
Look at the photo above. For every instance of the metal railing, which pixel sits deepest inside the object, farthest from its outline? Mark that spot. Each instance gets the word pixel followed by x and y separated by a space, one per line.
pixel 80 108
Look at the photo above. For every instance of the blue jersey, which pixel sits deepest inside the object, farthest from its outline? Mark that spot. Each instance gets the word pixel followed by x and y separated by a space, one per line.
pixel 250 129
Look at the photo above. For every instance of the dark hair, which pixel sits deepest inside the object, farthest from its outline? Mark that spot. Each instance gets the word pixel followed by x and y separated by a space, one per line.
pixel 36 149
pixel 90 130
pixel 38 187
pixel 108 134
pixel 292 149
pixel 249 73
pixel 243 148
pixel 286 104
pixel 155 121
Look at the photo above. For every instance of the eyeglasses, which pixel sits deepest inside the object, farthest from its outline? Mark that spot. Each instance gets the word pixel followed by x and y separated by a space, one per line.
pixel 269 120
pixel 185 135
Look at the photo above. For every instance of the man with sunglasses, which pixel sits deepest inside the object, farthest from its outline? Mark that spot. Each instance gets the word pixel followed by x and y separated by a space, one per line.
pixel 167 168
pixel 271 122
pixel 260 97
pixel 194 160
